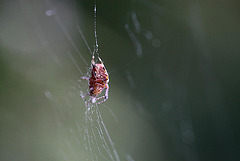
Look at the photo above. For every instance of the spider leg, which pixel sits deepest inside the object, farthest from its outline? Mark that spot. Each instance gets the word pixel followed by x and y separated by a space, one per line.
pixel 93 62
pixel 106 92
pixel 86 78
pixel 100 60
pixel 105 96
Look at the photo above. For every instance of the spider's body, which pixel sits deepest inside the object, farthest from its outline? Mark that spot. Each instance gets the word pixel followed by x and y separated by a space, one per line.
pixel 98 81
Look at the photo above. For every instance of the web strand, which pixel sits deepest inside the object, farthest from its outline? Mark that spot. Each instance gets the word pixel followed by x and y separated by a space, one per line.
pixel 84 39
pixel 95 29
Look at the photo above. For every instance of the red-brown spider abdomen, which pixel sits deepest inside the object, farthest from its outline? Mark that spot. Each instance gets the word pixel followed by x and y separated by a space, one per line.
pixel 98 80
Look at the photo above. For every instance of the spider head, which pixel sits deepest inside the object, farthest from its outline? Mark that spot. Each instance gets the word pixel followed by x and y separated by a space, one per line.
pixel 100 66
pixel 93 61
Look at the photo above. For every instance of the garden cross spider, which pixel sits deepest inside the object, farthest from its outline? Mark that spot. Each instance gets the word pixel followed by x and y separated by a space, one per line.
pixel 98 81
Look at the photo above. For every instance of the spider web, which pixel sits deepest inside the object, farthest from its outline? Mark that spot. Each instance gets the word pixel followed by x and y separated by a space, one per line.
pixel 96 138
pixel 81 131
pixel 165 100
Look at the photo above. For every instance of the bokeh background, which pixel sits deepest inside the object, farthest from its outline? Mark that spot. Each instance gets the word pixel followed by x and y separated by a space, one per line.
pixel 174 80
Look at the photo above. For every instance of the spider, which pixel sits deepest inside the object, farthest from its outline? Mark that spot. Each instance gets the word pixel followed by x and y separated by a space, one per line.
pixel 98 81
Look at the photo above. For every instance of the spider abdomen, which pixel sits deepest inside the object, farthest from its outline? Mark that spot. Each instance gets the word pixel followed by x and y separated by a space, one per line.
pixel 99 79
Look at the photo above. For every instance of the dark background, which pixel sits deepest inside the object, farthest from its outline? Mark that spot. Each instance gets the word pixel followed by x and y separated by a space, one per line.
pixel 174 96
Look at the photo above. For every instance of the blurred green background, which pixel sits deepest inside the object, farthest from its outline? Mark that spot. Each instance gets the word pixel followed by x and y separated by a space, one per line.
pixel 174 80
